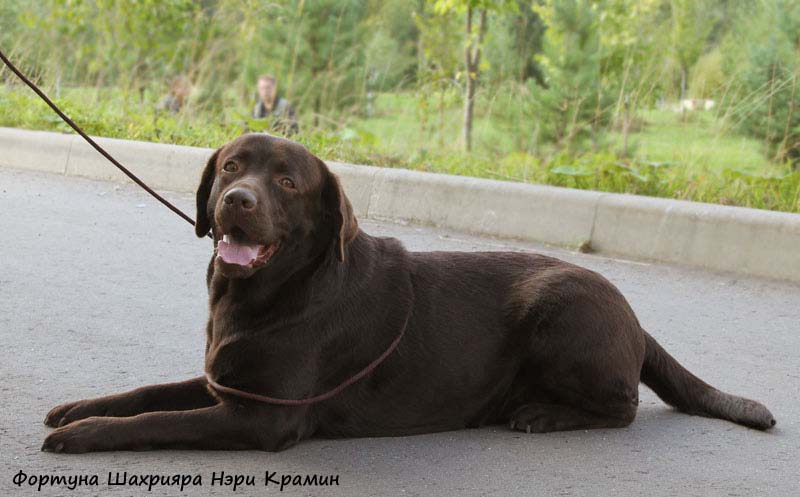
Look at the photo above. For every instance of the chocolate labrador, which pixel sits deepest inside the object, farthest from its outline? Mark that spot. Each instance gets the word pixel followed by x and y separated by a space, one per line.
pixel 319 329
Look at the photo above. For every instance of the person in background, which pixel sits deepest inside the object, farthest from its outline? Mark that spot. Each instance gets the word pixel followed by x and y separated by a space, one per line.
pixel 176 98
pixel 270 105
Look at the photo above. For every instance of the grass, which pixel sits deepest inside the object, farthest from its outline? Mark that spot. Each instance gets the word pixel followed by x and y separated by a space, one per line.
pixel 695 159
pixel 699 141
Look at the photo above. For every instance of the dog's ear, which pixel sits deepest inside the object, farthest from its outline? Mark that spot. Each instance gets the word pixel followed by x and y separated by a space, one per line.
pixel 338 206
pixel 203 224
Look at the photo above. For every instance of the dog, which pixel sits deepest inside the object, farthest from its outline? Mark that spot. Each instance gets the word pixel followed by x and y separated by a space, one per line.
pixel 317 329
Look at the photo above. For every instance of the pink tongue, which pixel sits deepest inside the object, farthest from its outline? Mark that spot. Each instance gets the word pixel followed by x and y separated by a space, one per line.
pixel 236 253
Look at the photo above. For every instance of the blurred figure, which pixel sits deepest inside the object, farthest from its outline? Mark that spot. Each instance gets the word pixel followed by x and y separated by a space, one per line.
pixel 270 105
pixel 176 98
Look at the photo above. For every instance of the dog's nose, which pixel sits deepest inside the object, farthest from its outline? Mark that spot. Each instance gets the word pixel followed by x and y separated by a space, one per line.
pixel 240 197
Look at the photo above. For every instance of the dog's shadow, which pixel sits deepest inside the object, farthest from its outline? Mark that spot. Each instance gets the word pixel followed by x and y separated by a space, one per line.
pixel 497 451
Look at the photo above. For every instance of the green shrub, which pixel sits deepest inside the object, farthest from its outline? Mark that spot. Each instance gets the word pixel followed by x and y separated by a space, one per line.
pixel 767 73
pixel 776 187
pixel 573 105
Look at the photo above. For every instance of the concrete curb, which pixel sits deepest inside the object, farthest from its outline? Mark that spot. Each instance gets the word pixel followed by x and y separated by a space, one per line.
pixel 745 241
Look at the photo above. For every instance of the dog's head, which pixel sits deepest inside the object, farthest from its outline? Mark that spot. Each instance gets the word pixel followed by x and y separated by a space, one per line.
pixel 271 205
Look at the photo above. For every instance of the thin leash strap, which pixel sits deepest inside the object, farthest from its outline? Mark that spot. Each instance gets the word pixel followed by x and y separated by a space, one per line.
pixel 93 143
pixel 317 398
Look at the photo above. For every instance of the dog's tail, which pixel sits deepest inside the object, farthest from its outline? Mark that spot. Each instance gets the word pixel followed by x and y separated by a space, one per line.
pixel 679 388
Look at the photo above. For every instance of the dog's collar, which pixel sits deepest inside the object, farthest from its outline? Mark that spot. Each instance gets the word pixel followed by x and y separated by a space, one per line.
pixel 317 398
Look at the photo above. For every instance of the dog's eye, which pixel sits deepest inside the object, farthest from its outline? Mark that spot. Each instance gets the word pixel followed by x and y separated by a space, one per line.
pixel 230 167
pixel 286 183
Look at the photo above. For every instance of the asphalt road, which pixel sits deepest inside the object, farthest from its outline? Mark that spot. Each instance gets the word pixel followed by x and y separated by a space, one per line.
pixel 102 290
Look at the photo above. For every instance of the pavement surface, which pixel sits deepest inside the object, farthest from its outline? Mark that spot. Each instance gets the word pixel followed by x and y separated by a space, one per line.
pixel 102 290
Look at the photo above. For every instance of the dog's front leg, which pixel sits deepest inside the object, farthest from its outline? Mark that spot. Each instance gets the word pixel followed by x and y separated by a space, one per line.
pixel 184 395
pixel 222 426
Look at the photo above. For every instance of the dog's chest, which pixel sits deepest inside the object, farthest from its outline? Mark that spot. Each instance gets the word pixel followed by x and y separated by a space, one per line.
pixel 258 353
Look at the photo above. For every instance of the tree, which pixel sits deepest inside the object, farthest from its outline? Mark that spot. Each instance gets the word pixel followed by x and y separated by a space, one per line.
pixel 316 50
pixel 629 58
pixel 438 59
pixel 475 16
pixel 573 104
pixel 392 43
pixel 512 48
pixel 691 25
pixel 768 72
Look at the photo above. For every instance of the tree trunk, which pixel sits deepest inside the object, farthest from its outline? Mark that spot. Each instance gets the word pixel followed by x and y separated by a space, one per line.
pixel 683 93
pixel 469 105
pixel 472 58
pixel 441 116
pixel 317 110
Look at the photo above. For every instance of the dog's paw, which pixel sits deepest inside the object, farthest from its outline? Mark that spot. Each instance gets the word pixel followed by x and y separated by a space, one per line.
pixel 111 406
pixel 56 414
pixel 532 418
pixel 73 411
pixel 82 436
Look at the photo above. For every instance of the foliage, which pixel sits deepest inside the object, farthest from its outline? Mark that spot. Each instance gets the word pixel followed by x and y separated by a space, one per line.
pixel 573 104
pixel 767 75
pixel 690 28
pixel 708 76
pixel 555 91
pixel 512 43
pixel 691 178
